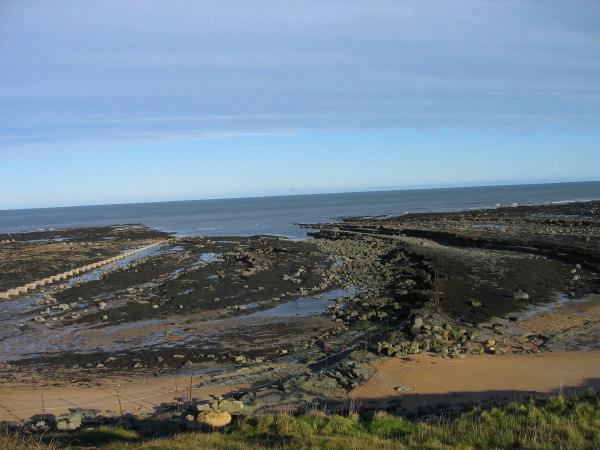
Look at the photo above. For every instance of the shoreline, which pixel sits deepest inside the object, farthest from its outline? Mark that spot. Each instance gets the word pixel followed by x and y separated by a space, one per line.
pixel 446 284
pixel 440 385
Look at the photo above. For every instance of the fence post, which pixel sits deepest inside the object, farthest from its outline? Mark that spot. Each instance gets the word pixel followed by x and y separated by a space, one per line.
pixel 120 406
pixel 230 385
pixel 191 376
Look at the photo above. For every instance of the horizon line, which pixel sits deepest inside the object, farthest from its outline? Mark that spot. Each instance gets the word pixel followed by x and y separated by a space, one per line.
pixel 333 192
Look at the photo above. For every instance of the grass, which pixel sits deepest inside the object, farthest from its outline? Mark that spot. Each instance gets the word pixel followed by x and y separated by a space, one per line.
pixel 565 423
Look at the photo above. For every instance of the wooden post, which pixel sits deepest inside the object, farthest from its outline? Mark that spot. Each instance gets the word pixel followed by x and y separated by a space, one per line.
pixel 230 385
pixel 279 365
pixel 43 410
pixel 120 406
pixel 176 396
pixel 364 352
pixel 191 376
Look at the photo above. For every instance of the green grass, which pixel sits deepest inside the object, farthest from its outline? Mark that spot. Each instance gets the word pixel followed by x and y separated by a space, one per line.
pixel 565 423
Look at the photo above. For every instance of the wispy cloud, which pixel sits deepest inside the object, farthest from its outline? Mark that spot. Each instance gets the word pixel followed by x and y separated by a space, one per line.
pixel 111 71
pixel 255 149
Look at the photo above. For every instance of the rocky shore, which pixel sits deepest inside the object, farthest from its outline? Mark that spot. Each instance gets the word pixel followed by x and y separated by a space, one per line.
pixel 294 325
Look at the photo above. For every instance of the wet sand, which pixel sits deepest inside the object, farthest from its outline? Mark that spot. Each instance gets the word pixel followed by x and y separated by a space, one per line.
pixel 457 382
pixel 474 380
pixel 479 379
pixel 137 394
pixel 495 378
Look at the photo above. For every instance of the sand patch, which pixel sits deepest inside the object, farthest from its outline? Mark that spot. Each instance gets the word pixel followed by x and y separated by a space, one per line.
pixel 142 394
pixel 479 379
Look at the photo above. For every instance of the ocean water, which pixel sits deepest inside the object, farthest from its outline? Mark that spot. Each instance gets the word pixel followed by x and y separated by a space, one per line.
pixel 278 215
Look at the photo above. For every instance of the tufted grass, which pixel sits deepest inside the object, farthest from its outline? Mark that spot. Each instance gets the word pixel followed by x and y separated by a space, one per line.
pixel 565 423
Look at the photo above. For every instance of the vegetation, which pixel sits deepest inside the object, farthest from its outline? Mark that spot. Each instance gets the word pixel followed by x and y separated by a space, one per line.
pixel 543 424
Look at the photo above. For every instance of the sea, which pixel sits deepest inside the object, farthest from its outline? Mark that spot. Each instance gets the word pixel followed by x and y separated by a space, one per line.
pixel 280 215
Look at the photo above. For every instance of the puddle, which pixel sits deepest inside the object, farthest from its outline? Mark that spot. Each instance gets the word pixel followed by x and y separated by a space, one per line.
pixel 497 227
pixel 304 306
pixel 189 291
pixel 550 307
pixel 272 398
pixel 208 258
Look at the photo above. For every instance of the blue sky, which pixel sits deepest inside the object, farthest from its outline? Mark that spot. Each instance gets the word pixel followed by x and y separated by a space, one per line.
pixel 132 101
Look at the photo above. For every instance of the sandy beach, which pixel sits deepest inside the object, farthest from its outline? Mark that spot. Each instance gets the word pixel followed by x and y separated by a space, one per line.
pixel 479 379
pixel 472 380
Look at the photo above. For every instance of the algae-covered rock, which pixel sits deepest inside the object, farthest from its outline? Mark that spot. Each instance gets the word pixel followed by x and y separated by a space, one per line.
pixel 231 406
pixel 68 422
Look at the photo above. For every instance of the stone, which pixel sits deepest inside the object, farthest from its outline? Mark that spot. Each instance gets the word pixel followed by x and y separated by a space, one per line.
pixel 520 296
pixel 85 412
pixel 213 419
pixel 231 406
pixel 417 324
pixel 68 422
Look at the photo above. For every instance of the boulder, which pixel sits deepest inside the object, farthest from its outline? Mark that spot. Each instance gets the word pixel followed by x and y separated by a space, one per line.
pixel 416 327
pixel 520 296
pixel 68 422
pixel 231 406
pixel 87 412
pixel 213 419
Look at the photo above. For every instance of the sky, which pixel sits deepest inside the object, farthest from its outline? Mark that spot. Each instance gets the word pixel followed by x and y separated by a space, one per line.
pixel 135 101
